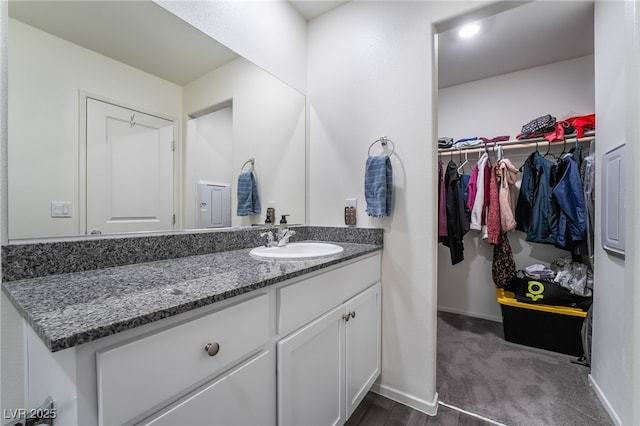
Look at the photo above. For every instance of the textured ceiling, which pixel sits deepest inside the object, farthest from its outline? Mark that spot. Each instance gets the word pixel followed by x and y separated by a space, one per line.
pixel 310 9
pixel 138 33
pixel 532 34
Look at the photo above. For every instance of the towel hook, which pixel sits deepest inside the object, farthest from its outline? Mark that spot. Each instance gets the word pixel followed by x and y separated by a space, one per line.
pixel 383 141
pixel 251 161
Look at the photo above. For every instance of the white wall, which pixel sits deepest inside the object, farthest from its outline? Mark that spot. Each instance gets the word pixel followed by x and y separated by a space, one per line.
pixel 370 74
pixel 501 105
pixel 613 352
pixel 632 269
pixel 11 362
pixel 268 125
pixel 278 45
pixel 46 75
pixel 271 34
pixel 493 107
pixel 208 150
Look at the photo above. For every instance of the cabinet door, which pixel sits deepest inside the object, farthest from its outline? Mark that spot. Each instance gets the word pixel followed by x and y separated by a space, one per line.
pixel 362 345
pixel 178 353
pixel 311 373
pixel 243 397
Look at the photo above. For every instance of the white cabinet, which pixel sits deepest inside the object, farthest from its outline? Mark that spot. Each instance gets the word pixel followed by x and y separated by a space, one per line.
pixel 175 359
pixel 362 346
pixel 303 351
pixel 311 373
pixel 326 367
pixel 243 397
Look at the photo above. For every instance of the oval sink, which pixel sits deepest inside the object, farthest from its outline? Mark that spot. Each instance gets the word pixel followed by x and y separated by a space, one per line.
pixel 296 251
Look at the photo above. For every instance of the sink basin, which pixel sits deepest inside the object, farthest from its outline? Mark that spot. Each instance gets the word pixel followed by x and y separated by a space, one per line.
pixel 296 251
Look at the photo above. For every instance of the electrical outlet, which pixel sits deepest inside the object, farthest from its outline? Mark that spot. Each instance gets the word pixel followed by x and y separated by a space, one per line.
pixel 350 205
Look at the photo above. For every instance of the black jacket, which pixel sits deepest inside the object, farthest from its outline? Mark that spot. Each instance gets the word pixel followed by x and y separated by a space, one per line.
pixel 457 221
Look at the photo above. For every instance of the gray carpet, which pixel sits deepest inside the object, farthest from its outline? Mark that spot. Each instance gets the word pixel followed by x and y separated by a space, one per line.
pixel 478 371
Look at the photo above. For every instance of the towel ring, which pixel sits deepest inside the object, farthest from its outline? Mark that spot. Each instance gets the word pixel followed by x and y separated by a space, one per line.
pixel 251 161
pixel 383 141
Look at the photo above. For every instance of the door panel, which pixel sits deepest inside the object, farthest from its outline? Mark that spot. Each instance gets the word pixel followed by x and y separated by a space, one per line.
pixel 243 397
pixel 129 170
pixel 362 345
pixel 311 373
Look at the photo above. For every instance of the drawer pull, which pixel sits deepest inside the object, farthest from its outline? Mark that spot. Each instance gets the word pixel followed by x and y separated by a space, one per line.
pixel 353 314
pixel 212 349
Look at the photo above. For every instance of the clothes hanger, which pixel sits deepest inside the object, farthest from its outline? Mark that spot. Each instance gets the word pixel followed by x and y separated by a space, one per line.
pixel 549 151
pixel 466 161
pixel 521 168
pixel 486 151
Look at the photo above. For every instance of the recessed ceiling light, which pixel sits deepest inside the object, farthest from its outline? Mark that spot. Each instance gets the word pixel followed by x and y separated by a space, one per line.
pixel 469 30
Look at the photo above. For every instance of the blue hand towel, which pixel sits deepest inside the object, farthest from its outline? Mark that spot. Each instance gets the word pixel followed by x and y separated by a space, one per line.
pixel 248 199
pixel 378 186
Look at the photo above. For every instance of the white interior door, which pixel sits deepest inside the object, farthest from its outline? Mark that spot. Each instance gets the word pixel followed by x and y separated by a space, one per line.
pixel 129 170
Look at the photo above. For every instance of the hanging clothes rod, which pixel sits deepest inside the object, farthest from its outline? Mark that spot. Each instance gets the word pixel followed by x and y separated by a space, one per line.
pixel 518 144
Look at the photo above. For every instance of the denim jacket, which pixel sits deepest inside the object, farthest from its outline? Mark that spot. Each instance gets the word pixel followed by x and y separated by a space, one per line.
pixel 536 210
pixel 569 196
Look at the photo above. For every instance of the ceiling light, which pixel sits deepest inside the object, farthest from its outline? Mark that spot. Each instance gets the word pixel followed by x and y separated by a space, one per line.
pixel 469 31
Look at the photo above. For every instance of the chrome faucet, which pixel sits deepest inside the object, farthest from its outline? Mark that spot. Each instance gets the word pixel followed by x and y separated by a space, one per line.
pixel 269 236
pixel 283 237
pixel 284 233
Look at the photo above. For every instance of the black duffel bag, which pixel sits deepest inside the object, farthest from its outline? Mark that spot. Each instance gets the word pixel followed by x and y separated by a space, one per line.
pixel 542 292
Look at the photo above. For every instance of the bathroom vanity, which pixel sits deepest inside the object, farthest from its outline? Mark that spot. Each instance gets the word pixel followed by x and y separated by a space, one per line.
pixel 218 338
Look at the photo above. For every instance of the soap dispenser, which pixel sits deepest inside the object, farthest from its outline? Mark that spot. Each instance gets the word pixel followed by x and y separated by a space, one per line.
pixel 271 216
pixel 282 228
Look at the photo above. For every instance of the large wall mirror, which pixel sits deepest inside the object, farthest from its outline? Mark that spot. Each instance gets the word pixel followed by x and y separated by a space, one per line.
pixel 120 113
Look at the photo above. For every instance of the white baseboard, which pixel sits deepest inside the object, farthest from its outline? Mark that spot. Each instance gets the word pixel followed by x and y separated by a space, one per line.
pixel 470 314
pixel 427 407
pixel 605 402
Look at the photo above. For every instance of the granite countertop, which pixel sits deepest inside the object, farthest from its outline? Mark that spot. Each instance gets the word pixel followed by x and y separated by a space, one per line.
pixel 68 309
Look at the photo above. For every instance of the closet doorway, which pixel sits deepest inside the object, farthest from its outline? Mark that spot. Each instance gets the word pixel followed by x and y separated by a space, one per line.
pixel 527 60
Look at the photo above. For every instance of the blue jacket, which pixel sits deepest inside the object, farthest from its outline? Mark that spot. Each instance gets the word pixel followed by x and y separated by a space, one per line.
pixel 536 210
pixel 569 195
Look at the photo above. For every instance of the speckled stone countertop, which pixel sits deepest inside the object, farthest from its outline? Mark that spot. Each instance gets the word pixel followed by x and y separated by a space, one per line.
pixel 67 309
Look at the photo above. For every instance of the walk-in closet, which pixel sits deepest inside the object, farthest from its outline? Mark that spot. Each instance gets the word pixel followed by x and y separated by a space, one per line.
pixel 529 65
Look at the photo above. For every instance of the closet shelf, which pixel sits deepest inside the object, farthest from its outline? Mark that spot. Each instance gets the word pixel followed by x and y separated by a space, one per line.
pixel 519 144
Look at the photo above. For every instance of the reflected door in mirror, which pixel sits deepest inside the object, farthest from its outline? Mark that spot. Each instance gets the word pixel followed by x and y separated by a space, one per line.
pixel 129 170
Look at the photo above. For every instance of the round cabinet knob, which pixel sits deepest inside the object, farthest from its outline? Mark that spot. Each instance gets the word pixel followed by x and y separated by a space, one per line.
pixel 212 349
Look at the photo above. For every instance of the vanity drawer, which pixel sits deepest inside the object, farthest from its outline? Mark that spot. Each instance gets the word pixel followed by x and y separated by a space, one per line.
pixel 303 301
pixel 138 376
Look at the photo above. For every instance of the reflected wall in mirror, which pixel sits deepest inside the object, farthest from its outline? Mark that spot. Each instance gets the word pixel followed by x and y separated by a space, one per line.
pixel 223 112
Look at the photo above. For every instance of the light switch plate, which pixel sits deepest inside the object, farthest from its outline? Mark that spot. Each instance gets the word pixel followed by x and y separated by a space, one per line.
pixel 61 209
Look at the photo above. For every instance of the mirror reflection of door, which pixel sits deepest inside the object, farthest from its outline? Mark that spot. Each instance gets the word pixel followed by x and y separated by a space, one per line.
pixel 129 170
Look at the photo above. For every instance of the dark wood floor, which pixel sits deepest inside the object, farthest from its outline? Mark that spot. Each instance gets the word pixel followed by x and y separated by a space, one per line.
pixel 376 410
